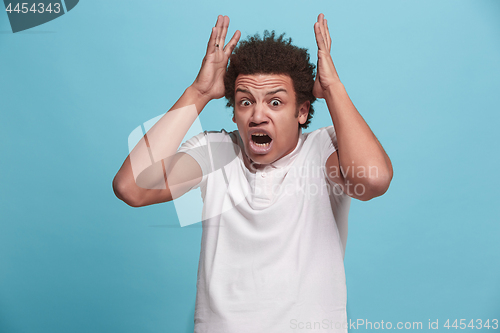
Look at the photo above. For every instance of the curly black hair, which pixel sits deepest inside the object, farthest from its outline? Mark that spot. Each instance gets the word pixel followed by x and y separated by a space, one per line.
pixel 272 55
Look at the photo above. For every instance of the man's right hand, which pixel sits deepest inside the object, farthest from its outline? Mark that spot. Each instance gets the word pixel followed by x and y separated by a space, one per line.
pixel 165 174
pixel 210 80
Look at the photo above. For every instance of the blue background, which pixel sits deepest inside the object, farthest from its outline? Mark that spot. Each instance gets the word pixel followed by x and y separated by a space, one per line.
pixel 425 75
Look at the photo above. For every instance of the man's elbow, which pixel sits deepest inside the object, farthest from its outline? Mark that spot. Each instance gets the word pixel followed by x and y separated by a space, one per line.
pixel 376 186
pixel 123 192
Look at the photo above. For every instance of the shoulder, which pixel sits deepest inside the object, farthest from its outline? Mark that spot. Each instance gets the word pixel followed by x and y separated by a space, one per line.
pixel 202 138
pixel 325 135
pixel 220 136
pixel 320 132
pixel 320 145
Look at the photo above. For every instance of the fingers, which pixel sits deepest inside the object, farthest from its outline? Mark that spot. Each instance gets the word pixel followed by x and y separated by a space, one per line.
pixel 218 35
pixel 232 43
pixel 211 41
pixel 320 40
pixel 321 21
pixel 225 24
pixel 219 26
pixel 328 38
pixel 323 38
pixel 213 37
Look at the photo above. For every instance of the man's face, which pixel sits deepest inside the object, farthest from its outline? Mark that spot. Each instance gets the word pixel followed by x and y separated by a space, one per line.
pixel 265 113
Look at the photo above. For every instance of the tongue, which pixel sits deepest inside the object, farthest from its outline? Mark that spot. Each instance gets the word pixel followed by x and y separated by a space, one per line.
pixel 261 138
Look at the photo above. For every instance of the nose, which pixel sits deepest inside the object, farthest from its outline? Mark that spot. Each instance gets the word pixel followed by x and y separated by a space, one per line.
pixel 259 115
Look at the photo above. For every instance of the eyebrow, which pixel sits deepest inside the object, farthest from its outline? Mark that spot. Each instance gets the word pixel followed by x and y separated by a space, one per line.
pixel 268 93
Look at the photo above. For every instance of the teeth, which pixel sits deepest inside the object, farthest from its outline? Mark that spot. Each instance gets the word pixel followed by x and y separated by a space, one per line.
pixel 261 144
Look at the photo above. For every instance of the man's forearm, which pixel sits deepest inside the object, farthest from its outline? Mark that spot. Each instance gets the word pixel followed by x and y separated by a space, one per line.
pixel 150 157
pixel 361 156
pixel 166 135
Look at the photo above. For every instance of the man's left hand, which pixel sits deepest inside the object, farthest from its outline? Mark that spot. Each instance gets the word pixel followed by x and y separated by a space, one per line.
pixel 326 74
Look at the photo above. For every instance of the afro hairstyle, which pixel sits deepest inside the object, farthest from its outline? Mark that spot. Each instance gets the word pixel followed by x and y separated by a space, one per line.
pixel 272 55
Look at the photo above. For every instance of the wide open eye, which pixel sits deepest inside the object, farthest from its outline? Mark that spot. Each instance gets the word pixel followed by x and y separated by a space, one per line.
pixel 245 102
pixel 275 102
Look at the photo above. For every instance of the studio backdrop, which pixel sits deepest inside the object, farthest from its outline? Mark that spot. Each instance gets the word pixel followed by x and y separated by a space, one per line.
pixel 76 84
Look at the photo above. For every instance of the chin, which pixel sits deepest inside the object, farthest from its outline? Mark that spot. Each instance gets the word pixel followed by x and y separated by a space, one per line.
pixel 260 158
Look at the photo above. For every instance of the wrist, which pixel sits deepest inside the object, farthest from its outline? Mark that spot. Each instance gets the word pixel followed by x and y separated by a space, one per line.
pixel 197 97
pixel 334 88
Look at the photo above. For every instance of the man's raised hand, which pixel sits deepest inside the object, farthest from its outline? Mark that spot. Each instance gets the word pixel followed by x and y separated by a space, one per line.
pixel 210 79
pixel 326 74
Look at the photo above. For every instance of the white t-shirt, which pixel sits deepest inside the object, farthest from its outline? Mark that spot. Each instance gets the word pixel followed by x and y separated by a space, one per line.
pixel 273 239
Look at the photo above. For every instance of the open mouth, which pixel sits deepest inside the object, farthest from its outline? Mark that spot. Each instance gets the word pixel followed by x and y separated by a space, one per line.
pixel 260 142
pixel 261 139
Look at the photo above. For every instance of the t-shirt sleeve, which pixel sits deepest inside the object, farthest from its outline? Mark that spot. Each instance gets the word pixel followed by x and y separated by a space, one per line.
pixel 329 146
pixel 329 143
pixel 197 148
pixel 212 150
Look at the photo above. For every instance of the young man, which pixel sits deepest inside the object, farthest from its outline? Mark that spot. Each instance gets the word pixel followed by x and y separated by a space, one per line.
pixel 276 200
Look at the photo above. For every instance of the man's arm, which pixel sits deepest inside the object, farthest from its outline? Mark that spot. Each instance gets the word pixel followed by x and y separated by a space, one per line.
pixel 365 169
pixel 139 182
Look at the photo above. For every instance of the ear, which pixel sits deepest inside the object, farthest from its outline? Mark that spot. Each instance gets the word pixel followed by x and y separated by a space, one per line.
pixel 303 112
pixel 234 120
